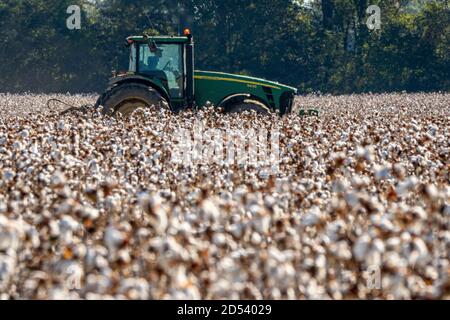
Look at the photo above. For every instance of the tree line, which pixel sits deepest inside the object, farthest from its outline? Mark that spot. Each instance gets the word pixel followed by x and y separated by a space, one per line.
pixel 315 45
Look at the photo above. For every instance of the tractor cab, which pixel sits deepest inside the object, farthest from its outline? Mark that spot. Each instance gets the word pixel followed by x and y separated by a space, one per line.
pixel 168 61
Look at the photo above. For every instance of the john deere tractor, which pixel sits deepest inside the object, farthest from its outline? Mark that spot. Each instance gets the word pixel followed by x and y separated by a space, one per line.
pixel 161 75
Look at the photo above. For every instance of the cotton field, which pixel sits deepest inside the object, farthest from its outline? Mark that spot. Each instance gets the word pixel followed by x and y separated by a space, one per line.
pixel 96 208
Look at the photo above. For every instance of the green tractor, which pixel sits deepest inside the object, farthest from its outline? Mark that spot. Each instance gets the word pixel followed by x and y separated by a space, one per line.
pixel 161 74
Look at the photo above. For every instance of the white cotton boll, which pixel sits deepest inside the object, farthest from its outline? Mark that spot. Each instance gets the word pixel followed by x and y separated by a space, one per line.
pixel 58 179
pixel 394 261
pixel 149 202
pixel 5 151
pixel 90 213
pixel 98 283
pixel 432 130
pixel 360 152
pixel 312 217
pixel 9 238
pixel 180 277
pixel 341 186
pixel 386 224
pixel 262 224
pixel 277 255
pixel 367 153
pixel 18 146
pixel 153 205
pixel 80 251
pixel 8 175
pixel 256 238
pixel 62 125
pixel 407 185
pixel 24 134
pixel 57 155
pixel 67 226
pixel 254 209
pixel 335 229
pixel 416 127
pixel 70 161
pixel 344 136
pixel 219 239
pixel 315 291
pixel 209 211
pixel 237 230
pixel 113 238
pixel 156 156
pixel 30 171
pixel 420 253
pixel 361 247
pixel 112 204
pixel 67 223
pixel 7 269
pixel 393 243
pixel 54 229
pixel 310 152
pixel 134 151
pixel 33 236
pixel 341 250
pixel 357 182
pixel 382 172
pixel 378 245
pixel 89 258
pixel 431 191
pixel 352 199
pixel 124 256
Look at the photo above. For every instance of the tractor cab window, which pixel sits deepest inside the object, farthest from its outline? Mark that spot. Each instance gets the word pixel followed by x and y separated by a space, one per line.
pixel 164 62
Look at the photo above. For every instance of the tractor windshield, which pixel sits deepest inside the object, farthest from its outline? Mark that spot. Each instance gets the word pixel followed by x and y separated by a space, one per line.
pixel 165 63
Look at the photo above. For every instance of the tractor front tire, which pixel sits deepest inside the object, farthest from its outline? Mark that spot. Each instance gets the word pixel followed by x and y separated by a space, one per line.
pixel 249 105
pixel 126 98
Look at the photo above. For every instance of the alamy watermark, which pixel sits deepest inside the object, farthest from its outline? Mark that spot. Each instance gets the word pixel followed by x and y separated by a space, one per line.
pixel 374 20
pixel 73 22
pixel 257 148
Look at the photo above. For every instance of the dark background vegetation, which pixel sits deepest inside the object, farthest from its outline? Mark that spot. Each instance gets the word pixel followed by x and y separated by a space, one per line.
pixel 321 45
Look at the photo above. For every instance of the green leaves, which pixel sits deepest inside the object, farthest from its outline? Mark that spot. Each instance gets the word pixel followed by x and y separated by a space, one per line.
pixel 323 46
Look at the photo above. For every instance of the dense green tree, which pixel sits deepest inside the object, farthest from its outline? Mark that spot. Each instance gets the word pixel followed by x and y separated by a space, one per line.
pixel 315 45
pixel 38 52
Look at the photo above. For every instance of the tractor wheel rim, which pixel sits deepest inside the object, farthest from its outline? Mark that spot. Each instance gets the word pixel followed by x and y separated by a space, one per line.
pixel 128 106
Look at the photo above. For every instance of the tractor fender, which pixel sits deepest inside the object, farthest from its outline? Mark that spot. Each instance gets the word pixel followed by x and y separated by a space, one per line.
pixel 116 81
pixel 227 102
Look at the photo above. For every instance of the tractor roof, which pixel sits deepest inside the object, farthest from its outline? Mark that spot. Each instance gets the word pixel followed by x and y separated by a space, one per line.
pixel 165 39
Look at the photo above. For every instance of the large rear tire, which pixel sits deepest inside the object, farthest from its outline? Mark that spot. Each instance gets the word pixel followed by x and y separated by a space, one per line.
pixel 126 98
pixel 249 105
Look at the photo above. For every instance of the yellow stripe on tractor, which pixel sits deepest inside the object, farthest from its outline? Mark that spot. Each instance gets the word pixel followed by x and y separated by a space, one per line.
pixel 235 80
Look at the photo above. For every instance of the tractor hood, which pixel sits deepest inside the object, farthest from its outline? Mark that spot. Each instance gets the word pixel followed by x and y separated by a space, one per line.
pixel 227 77
pixel 217 87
